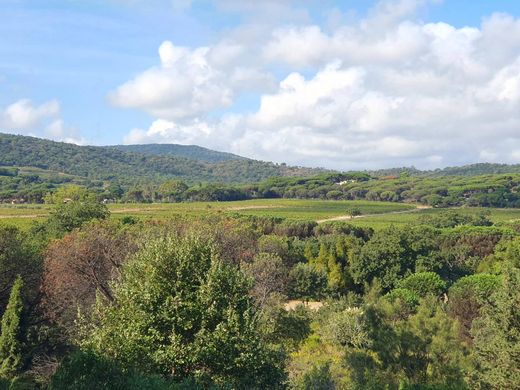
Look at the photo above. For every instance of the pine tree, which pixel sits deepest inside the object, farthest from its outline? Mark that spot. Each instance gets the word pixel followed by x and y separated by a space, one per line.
pixel 323 258
pixel 308 253
pixel 497 336
pixel 11 358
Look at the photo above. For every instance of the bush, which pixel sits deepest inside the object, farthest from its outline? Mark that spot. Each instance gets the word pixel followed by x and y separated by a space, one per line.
pixel 307 282
pixel 317 378
pixel 347 328
pixel 69 216
pixel 85 370
pixel 424 283
pixel 301 229
pixel 406 296
pixel 180 312
pixel 468 295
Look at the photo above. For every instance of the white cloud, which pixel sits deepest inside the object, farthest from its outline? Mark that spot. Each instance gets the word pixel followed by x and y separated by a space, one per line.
pixel 23 117
pixel 384 90
pixel 188 82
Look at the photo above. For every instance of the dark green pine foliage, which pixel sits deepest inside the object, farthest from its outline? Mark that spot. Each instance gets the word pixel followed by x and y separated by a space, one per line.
pixel 497 336
pixel 11 356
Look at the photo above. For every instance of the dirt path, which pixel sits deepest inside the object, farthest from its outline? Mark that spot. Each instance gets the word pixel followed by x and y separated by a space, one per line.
pixel 238 208
pixel 348 217
pixel 312 305
pixel 138 209
pixel 23 216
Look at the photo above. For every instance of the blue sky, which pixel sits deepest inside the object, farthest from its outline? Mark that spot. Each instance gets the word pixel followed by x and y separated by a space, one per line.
pixel 90 72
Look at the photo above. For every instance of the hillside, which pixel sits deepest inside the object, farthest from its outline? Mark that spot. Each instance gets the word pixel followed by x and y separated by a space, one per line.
pixel 193 152
pixel 464 170
pixel 102 163
pixel 478 169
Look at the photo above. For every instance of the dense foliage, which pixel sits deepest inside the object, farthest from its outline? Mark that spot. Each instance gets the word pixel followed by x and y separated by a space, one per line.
pixel 242 302
pixel 437 191
pixel 100 167
pixel 192 152
pixel 30 168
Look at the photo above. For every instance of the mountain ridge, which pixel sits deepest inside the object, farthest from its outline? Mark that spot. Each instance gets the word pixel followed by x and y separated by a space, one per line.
pixel 106 163
pixel 194 152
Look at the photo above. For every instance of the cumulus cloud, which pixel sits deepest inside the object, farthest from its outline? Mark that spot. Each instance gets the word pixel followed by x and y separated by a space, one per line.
pixel 384 90
pixel 23 117
pixel 188 83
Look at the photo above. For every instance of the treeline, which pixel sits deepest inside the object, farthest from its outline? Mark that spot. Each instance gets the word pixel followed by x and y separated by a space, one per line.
pixel 212 302
pixel 449 191
pixel 484 191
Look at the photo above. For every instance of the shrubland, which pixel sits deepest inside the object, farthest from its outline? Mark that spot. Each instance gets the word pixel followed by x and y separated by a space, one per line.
pixel 221 301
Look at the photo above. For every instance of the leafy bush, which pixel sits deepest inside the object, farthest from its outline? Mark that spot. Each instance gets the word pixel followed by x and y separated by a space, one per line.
pixel 86 370
pixel 347 328
pixel 468 295
pixel 406 296
pixel 317 378
pixel 180 312
pixel 424 283
pixel 307 282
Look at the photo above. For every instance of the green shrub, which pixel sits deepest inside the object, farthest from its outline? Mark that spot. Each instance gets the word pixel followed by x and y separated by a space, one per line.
pixel 424 283
pixel 406 296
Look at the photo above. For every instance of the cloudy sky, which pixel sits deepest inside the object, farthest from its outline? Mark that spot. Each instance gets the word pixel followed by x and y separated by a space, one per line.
pixel 340 84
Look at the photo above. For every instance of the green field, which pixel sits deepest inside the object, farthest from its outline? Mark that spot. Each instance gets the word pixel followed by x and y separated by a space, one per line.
pixel 24 215
pixel 374 214
pixel 382 221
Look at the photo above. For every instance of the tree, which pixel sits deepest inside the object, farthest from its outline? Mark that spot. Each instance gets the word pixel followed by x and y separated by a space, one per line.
pixel 18 257
pixel 69 193
pixel 69 216
pixel 275 245
pixel 445 356
pixel 80 265
pixel 387 256
pixel 307 282
pixel 11 339
pixel 421 349
pixel 354 212
pixel 497 335
pixel 172 190
pixel 424 283
pixel 180 312
pixel 468 295
pixel 269 274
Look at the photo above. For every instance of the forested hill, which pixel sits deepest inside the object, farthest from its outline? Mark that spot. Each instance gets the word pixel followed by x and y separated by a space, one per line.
pixel 102 163
pixel 192 152
pixel 464 170
pixel 478 169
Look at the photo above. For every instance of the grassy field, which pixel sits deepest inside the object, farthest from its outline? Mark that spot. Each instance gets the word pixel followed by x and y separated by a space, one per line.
pixel 382 221
pixel 374 214
pixel 24 215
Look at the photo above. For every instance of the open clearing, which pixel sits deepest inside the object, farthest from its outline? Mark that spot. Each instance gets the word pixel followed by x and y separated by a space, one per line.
pixel 373 214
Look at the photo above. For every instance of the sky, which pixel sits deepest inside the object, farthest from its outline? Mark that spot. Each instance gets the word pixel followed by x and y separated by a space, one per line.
pixel 352 84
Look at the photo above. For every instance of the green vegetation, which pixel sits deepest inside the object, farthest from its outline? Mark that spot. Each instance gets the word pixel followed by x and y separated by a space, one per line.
pixel 32 167
pixel 437 191
pixel 376 215
pixel 11 339
pixel 131 275
pixel 244 299
pixel 192 152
